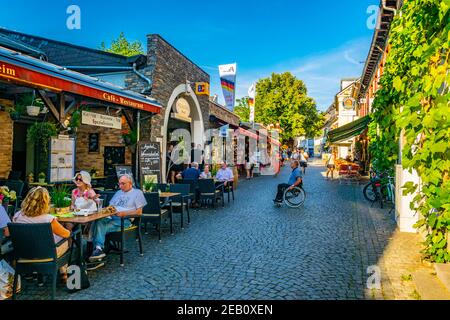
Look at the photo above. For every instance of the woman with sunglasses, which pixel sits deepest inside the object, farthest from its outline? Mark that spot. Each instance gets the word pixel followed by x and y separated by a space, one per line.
pixel 83 197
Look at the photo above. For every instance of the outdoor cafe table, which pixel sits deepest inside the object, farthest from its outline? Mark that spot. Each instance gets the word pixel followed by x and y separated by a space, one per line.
pixel 79 221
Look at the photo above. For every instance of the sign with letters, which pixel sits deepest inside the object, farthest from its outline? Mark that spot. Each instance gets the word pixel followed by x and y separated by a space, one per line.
pixel 202 88
pixel 101 120
pixel 150 161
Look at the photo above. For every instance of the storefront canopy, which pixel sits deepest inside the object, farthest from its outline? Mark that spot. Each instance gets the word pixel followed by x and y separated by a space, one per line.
pixel 28 71
pixel 349 130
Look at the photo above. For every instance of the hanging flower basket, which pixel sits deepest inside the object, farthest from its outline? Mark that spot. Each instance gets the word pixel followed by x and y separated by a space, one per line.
pixel 33 110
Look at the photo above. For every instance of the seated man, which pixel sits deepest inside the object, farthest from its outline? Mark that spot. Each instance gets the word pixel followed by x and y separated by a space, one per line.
pixel 4 220
pixel 224 174
pixel 191 173
pixel 295 180
pixel 128 202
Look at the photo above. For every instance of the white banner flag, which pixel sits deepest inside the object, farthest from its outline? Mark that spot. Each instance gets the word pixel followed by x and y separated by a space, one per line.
pixel 227 74
pixel 251 102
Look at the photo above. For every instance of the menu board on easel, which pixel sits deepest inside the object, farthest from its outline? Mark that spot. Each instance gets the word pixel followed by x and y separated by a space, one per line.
pixel 150 162
pixel 62 158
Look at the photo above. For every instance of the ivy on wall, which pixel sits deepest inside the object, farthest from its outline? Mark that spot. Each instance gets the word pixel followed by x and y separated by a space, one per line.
pixel 414 100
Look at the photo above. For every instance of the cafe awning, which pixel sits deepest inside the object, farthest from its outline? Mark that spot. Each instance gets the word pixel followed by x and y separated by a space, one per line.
pixel 35 73
pixel 349 130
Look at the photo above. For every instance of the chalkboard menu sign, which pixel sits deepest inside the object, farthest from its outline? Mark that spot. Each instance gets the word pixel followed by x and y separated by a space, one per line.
pixel 94 142
pixel 150 162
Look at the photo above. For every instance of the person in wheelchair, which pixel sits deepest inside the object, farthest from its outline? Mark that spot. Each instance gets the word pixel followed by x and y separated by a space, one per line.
pixel 295 180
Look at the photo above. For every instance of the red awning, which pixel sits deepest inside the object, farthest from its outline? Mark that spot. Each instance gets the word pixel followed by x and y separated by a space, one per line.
pixel 275 142
pixel 247 133
pixel 35 73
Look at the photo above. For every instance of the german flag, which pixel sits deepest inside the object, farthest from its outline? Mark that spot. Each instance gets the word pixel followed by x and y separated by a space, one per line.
pixel 227 84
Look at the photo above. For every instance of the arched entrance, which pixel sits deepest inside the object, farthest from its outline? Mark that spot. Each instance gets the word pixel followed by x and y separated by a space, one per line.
pixel 189 102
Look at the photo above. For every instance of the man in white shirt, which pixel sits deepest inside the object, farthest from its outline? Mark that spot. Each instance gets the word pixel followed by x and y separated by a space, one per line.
pixel 128 202
pixel 224 174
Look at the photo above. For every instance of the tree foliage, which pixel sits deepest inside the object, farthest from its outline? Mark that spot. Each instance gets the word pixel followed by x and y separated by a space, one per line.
pixel 123 47
pixel 242 109
pixel 283 99
pixel 414 99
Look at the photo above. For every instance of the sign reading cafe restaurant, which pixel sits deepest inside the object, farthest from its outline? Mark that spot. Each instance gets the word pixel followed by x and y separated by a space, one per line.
pixel 101 120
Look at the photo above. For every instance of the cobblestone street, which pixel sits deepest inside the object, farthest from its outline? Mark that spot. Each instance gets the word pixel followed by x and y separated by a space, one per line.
pixel 253 250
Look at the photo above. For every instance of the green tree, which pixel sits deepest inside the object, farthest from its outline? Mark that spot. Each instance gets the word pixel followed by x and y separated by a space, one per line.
pixel 242 109
pixel 123 47
pixel 283 98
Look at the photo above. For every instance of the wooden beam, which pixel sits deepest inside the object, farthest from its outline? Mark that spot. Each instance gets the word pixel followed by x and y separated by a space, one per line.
pixel 129 118
pixel 62 107
pixel 49 103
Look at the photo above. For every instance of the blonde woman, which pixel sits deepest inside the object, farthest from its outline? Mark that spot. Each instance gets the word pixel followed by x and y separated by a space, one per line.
pixel 35 209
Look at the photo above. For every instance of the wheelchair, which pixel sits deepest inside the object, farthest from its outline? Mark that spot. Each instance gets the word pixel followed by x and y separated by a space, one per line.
pixel 293 198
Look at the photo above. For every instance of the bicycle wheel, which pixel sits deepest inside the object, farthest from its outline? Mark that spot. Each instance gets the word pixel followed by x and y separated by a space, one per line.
pixel 369 192
pixel 294 198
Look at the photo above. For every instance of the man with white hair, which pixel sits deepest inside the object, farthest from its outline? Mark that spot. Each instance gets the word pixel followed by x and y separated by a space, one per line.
pixel 191 173
pixel 128 201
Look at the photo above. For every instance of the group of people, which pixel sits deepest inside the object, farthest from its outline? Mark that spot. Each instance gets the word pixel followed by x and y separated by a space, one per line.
pixel 175 169
pixel 35 208
pixel 299 154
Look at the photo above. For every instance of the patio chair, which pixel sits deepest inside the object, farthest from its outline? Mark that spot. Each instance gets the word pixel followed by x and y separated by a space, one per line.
pixel 208 191
pixel 193 189
pixel 116 240
pixel 161 187
pixel 153 213
pixel 229 188
pixel 181 203
pixel 35 251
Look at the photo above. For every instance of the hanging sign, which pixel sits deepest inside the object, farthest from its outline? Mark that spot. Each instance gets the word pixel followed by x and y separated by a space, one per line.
pixel 101 120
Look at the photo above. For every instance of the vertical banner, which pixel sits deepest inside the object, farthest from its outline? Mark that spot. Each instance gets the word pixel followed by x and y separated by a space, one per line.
pixel 251 102
pixel 227 74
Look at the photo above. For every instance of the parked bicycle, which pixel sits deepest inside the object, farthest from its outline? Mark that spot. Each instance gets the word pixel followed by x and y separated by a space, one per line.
pixel 381 188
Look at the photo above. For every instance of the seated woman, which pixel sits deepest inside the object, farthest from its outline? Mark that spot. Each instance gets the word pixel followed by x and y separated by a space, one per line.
pixel 83 197
pixel 206 174
pixel 35 209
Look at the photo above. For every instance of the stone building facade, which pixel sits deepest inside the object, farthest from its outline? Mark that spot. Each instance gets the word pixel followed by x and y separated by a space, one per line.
pixel 6 146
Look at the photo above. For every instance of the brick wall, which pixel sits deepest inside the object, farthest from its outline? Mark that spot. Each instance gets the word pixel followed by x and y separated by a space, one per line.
pixel 172 68
pixel 6 132
pixel 108 137
pixel 223 114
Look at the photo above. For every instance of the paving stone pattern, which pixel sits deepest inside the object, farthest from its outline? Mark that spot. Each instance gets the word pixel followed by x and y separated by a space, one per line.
pixel 253 250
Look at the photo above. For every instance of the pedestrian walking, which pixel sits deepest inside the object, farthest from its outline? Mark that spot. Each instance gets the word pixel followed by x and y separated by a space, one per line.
pixel 303 157
pixel 331 164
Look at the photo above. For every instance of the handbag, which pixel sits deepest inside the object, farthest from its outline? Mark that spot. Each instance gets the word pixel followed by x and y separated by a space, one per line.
pixel 6 280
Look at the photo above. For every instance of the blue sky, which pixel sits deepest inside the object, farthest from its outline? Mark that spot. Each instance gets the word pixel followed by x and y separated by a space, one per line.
pixel 319 41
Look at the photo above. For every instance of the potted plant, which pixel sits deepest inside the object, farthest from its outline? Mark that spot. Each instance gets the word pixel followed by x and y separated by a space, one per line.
pixel 93 172
pixel 30 103
pixel 61 201
pixel 130 139
pixel 7 196
pixel 149 186
pixel 41 132
pixel 30 177
pixel 15 111
pixel 41 177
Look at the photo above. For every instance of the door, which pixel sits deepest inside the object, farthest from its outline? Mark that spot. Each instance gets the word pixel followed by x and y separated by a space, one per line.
pixel 19 155
pixel 113 156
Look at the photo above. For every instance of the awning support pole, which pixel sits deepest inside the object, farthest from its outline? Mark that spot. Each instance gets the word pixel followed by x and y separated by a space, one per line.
pixel 138 129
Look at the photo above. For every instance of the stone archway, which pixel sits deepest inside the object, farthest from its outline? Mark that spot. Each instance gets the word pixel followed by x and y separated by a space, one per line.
pixel 197 127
